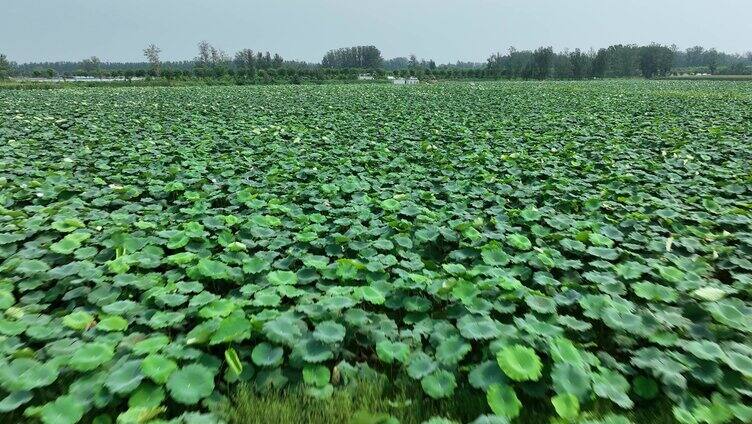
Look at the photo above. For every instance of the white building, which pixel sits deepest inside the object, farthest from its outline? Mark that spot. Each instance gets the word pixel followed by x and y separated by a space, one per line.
pixel 403 81
pixel 365 77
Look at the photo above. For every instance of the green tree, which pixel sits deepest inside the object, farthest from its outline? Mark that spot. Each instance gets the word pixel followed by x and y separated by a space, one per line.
pixel 91 66
pixel 5 66
pixel 541 62
pixel 152 56
pixel 710 59
pixel 600 64
pixel 580 64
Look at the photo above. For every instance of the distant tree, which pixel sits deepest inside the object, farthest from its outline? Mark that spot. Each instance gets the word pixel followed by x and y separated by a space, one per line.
pixel 245 60
pixel 562 65
pixel 748 56
pixel 710 59
pixel 413 62
pixel 655 60
pixel 580 64
pixel 152 56
pixel 204 58
pixel 218 57
pixel 91 65
pixel 541 62
pixel 277 62
pixel 358 57
pixel 694 56
pixel 5 66
pixel 600 64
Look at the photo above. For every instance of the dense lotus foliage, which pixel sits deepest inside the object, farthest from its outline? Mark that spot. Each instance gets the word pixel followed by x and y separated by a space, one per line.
pixel 541 243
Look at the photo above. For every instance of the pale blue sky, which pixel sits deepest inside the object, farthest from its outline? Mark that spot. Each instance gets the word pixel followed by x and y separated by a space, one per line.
pixel 445 30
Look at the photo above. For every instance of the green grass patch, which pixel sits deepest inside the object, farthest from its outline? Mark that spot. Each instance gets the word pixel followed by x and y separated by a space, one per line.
pixel 376 401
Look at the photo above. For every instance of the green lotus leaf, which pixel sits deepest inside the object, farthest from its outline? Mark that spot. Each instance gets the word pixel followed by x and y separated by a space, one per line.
pixel 439 384
pixel 124 378
pixel 256 264
pixel 519 363
pixel 566 405
pixel 604 253
pixel 494 255
pixel 519 242
pixel 739 362
pixel 69 243
pixel 316 375
pixel 483 375
pixel 14 400
pixel 329 332
pixel 282 330
pixel 146 396
pixel 655 292
pixel 476 327
pixel 26 374
pixel 67 225
pixel 90 356
pixel 541 304
pixel 190 384
pixel 420 365
pixel 63 410
pixel 390 205
pixel 710 294
pixel 151 344
pixel 78 320
pixel 234 328
pixel 631 270
pixel 451 350
pixel 645 387
pixel 454 269
pixel 182 258
pixel 32 267
pixel 214 270
pixel 612 385
pixel 279 278
pixel 267 355
pixel 490 419
pixel 391 352
pixel 703 349
pixel 600 240
pixel 503 401
pixel 372 295
pixel 158 368
pixel 112 323
pixel 572 379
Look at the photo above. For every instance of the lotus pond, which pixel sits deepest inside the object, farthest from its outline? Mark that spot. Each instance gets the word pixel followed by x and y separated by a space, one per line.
pixel 552 243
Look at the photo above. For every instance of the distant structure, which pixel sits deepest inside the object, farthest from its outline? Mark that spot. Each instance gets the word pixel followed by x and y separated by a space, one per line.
pixel 403 81
pixel 365 77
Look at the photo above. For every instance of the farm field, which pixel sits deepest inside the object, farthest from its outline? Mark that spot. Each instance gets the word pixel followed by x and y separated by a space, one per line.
pixel 576 245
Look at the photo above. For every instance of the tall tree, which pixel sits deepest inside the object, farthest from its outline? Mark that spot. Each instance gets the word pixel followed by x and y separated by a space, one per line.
pixel 710 59
pixel 91 65
pixel 363 57
pixel 580 64
pixel 245 60
pixel 600 64
pixel 541 63
pixel 204 58
pixel 5 66
pixel 152 56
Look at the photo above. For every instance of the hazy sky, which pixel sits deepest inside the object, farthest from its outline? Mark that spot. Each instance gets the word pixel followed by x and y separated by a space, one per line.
pixel 445 30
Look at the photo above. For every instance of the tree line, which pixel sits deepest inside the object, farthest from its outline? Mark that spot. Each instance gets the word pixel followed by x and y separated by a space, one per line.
pixel 612 62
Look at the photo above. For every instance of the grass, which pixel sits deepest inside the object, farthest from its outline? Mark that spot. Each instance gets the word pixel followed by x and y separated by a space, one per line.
pixel 711 77
pixel 372 402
